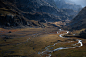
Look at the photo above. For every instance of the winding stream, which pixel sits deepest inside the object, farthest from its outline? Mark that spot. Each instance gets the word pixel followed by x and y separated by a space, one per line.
pixel 48 52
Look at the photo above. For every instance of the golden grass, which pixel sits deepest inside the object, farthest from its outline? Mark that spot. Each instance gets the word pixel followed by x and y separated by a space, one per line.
pixel 26 48
pixel 32 46
pixel 73 52
pixel 76 52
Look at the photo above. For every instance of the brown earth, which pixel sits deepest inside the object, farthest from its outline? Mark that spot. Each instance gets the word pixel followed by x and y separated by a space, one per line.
pixel 29 41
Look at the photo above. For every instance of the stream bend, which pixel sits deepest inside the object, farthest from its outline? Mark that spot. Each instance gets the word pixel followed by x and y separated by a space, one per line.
pixel 48 52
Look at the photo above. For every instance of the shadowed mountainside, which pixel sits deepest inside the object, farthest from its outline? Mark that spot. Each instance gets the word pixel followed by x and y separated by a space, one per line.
pixel 21 12
pixel 78 25
pixel 67 4
pixel 79 22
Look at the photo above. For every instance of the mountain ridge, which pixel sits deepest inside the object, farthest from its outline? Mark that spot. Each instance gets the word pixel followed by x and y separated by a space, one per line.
pixel 36 10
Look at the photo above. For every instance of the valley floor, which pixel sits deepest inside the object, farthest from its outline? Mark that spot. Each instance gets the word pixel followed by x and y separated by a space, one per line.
pixel 29 42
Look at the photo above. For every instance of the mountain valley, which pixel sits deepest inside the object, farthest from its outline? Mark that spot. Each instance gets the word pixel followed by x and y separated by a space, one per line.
pixel 42 28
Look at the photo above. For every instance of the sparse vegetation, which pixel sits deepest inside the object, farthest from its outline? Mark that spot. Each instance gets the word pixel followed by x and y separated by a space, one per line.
pixel 34 28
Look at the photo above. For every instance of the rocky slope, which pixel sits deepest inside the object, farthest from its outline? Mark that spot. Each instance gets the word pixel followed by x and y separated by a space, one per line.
pixel 11 16
pixel 67 4
pixel 79 22
pixel 78 25
pixel 69 7
pixel 21 12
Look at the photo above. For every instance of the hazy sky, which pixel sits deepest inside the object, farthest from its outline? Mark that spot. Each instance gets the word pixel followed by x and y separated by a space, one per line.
pixel 80 2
